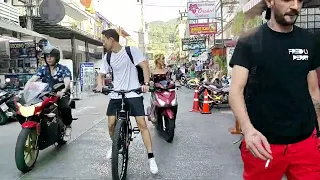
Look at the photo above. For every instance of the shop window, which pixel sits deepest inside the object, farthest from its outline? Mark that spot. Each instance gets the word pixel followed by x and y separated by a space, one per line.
pixel 310 17
pixel 310 10
pixel 310 25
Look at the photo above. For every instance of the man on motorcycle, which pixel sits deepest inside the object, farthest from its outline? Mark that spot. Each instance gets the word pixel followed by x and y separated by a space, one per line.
pixel 125 77
pixel 54 73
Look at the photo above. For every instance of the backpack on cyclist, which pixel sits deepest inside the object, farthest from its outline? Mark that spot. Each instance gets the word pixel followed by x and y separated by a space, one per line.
pixel 139 69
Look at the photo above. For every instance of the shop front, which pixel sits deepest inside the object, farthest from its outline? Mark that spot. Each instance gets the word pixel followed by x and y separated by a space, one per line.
pixel 18 63
pixel 76 39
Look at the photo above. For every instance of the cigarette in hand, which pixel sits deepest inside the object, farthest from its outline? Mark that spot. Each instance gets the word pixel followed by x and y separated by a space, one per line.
pixel 267 163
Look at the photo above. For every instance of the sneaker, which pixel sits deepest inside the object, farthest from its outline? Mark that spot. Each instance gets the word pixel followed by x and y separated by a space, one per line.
pixel 109 154
pixel 67 133
pixel 153 166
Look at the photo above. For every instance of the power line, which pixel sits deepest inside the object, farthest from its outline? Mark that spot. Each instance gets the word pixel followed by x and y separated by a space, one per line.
pixel 164 6
pixel 155 5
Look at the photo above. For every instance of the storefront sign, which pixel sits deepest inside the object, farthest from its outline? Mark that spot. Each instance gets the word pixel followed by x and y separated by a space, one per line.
pixel 193 43
pixel 22 50
pixel 87 74
pixel 201 10
pixel 203 28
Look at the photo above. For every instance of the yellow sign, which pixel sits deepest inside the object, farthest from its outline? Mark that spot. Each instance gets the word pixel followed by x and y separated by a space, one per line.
pixel 203 28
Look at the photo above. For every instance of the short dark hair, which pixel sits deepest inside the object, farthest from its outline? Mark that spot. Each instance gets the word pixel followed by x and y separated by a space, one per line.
pixel 111 33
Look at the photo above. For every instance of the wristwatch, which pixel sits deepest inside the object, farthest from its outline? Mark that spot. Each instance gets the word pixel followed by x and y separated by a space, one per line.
pixel 146 83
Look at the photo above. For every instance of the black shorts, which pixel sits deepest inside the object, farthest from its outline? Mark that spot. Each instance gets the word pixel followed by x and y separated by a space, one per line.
pixel 135 106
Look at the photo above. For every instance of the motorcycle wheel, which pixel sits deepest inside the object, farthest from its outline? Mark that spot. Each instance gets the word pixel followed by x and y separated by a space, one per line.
pixel 26 152
pixel 183 81
pixel 170 126
pixel 3 118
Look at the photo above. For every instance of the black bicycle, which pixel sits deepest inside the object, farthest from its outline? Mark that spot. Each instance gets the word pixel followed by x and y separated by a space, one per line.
pixel 122 135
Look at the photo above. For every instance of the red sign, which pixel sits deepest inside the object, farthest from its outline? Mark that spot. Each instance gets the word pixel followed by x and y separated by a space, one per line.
pixel 86 3
pixel 203 28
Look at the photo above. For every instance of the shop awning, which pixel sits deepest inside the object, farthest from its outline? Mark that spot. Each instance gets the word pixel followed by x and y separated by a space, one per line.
pixel 254 8
pixel 60 32
pixel 19 29
pixel 73 11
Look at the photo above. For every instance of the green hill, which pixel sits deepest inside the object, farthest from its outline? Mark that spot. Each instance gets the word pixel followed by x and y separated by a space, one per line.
pixel 159 35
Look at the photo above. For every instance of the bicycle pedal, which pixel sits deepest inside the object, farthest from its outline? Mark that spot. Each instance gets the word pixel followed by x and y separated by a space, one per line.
pixel 136 130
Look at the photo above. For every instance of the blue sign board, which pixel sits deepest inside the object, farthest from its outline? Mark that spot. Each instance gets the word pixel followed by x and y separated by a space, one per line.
pixel 83 68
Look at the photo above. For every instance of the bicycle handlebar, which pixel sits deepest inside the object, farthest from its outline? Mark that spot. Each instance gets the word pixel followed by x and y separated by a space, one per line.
pixel 106 91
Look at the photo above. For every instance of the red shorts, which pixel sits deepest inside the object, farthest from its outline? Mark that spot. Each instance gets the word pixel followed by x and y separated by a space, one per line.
pixel 299 161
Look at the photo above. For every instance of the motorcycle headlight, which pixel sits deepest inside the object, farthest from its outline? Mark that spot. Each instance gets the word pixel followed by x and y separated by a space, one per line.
pixel 38 104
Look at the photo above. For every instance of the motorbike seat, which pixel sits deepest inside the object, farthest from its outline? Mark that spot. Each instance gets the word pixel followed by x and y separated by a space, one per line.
pixel 215 84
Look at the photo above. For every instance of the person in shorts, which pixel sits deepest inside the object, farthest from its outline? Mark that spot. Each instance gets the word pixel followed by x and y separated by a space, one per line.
pixel 275 97
pixel 125 77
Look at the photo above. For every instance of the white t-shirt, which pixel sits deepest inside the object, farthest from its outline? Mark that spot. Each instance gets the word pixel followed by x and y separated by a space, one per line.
pixel 125 74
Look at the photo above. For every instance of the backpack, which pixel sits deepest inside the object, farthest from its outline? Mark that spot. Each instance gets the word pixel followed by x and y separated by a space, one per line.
pixel 139 69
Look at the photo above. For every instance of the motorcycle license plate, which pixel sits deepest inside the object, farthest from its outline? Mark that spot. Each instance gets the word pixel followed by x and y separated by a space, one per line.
pixel 4 107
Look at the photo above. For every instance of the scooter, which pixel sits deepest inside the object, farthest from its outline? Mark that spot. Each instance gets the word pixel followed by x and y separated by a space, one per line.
pixel 217 93
pixel 39 116
pixel 163 110
pixel 7 107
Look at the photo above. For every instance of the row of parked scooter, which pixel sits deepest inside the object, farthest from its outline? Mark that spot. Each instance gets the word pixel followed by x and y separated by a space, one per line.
pixel 218 91
pixel 217 88
pixel 7 107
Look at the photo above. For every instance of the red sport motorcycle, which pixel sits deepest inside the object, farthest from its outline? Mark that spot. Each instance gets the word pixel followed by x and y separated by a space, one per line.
pixel 163 110
pixel 38 114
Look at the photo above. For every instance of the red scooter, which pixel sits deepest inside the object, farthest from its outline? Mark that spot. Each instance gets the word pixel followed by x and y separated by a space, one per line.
pixel 163 110
pixel 38 114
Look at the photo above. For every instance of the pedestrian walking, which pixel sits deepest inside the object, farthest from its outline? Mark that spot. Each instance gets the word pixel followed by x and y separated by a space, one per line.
pixel 275 97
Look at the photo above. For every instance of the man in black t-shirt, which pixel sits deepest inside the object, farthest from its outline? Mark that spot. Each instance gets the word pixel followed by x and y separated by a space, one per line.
pixel 273 95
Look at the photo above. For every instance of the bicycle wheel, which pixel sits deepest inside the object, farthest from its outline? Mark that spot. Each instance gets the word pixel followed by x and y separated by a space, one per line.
pixel 120 148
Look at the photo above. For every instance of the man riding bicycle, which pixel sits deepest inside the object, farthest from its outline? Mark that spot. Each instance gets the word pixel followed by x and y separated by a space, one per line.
pixel 125 77
pixel 54 73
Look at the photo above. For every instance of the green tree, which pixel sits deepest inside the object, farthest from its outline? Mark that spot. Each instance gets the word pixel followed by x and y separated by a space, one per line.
pixel 241 23
pixel 222 62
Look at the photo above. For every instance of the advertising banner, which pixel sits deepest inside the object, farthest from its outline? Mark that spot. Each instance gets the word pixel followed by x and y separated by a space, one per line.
pixel 201 10
pixel 87 74
pixel 203 28
pixel 193 43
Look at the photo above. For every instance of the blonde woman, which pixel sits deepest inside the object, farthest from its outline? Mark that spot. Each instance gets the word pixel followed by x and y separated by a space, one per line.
pixel 160 72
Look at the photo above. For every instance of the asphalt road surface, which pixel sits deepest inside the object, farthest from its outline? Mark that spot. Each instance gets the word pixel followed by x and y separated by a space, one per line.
pixel 202 148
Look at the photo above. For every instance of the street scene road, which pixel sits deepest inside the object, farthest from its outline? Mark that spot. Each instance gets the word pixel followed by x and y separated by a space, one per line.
pixel 202 148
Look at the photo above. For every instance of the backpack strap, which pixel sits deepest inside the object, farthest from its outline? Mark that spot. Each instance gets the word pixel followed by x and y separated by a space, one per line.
pixel 108 58
pixel 128 50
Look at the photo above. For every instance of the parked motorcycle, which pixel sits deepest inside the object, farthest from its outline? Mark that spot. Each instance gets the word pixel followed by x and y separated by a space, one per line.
pixel 7 107
pixel 217 93
pixel 38 113
pixel 163 110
